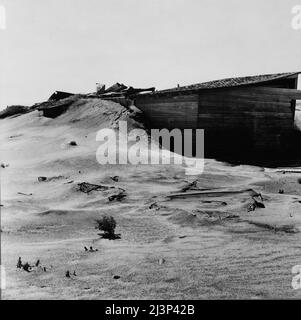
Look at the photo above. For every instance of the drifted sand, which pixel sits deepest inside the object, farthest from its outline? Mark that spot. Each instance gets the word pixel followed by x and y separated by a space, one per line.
pixel 212 247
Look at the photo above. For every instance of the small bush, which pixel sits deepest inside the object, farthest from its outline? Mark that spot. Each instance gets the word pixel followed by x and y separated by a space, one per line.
pixel 107 224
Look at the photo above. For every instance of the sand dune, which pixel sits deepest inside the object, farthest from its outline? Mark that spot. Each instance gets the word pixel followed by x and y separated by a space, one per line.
pixel 212 245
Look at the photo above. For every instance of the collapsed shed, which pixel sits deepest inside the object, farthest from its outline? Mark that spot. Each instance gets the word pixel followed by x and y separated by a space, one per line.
pixel 59 95
pixel 54 108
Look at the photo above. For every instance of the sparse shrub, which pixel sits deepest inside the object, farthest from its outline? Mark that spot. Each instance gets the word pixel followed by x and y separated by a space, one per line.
pixel 108 225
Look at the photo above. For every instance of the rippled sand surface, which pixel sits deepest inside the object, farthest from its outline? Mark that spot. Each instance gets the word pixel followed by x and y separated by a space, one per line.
pixel 177 242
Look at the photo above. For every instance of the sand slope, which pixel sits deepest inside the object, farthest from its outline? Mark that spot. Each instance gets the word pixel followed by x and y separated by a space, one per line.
pixel 211 245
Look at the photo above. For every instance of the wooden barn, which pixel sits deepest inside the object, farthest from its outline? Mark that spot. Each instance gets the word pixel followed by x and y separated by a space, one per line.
pixel 249 113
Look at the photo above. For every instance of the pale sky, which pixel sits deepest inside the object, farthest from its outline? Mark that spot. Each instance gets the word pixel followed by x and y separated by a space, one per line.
pixel 70 45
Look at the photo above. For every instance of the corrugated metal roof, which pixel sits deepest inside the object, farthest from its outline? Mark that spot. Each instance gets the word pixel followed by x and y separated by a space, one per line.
pixel 232 82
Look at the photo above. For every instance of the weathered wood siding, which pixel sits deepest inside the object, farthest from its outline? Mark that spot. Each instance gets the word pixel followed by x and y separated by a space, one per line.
pixel 170 112
pixel 249 116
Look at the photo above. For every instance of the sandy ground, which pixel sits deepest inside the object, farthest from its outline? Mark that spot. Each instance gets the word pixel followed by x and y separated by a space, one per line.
pixel 174 245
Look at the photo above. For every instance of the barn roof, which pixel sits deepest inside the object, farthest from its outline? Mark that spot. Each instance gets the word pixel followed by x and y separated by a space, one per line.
pixel 58 95
pixel 232 82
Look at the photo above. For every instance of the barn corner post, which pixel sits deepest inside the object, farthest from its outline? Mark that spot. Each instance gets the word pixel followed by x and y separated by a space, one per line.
pixel 294 102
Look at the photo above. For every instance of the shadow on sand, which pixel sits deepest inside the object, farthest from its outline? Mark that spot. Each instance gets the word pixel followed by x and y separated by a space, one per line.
pixel 110 236
pixel 239 148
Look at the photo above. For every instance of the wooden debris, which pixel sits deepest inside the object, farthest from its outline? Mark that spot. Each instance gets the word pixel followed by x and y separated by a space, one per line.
pixel 217 215
pixel 69 182
pixel 36 267
pixel 155 206
pixel 15 136
pixel 206 192
pixel 100 88
pixel 224 203
pixel 190 186
pixel 88 187
pixel 19 263
pixel 27 267
pixel 232 216
pixel 289 171
pixel 258 195
pixel 283 228
pixel 118 197
pixel 25 194
pixel 259 204
pixel 255 204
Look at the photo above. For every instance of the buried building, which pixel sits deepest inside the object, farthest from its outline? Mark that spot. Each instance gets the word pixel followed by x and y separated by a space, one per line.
pixel 238 114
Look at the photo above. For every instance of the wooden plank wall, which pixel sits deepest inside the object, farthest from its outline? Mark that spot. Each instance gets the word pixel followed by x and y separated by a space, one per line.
pixel 170 112
pixel 258 116
pixel 250 115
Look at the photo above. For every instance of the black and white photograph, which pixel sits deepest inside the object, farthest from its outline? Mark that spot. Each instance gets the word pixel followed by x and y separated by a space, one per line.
pixel 150 151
